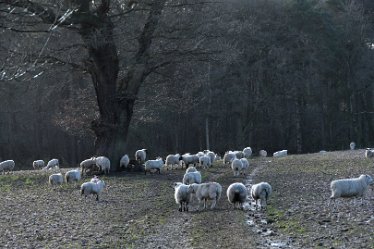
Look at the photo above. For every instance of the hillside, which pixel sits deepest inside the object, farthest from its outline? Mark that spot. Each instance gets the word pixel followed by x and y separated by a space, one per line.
pixel 138 211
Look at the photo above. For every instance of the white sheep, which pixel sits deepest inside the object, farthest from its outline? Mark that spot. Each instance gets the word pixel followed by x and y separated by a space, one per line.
pixel 261 192
pixel 154 165
pixel 245 166
pixel 200 154
pixel 236 166
pixel 93 188
pixel 192 177
pixel 53 163
pixel 263 153
pixel 188 159
pixel 207 191
pixel 7 165
pixel 369 153
pixel 172 160
pixel 141 155
pixel 205 162
pixel 191 169
pixel 237 194
pixel 88 164
pixel 281 153
pixel 103 163
pixel 73 175
pixel 124 162
pixel 182 195
pixel 56 179
pixel 350 187
pixel 229 157
pixel 38 164
pixel 352 145
pixel 239 154
pixel 247 152
pixel 212 156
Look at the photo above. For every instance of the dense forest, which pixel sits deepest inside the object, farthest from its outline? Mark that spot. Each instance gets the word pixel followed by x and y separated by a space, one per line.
pixel 79 78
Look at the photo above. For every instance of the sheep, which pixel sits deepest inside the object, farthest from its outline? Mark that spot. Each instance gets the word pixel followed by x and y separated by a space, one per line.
pixel 38 164
pixel 192 177
pixel 188 159
pixel 212 156
pixel 261 191
pixel 93 188
pixel 239 154
pixel 236 166
pixel 103 163
pixel 140 155
pixel 200 154
pixel 207 191
pixel 7 165
pixel 53 163
pixel 88 164
pixel 182 195
pixel 245 166
pixel 247 152
pixel 350 187
pixel 369 153
pixel 56 179
pixel 154 165
pixel 263 153
pixel 205 161
pixel 191 169
pixel 237 194
pixel 229 157
pixel 281 153
pixel 172 160
pixel 352 145
pixel 73 175
pixel 124 162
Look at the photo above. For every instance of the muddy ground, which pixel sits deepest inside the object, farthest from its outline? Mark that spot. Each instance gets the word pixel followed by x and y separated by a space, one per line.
pixel 139 211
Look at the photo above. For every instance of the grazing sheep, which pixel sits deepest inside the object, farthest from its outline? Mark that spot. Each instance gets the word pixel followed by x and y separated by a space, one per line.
pixel 261 191
pixel 236 166
pixel 56 179
pixel 93 188
pixel 369 153
pixel 229 157
pixel 245 166
pixel 237 194
pixel 191 169
pixel 192 177
pixel 141 155
pixel 172 160
pixel 88 164
pixel 53 163
pixel 124 162
pixel 281 153
pixel 247 152
pixel 73 175
pixel 103 163
pixel 182 195
pixel 350 187
pixel 263 153
pixel 204 161
pixel 154 165
pixel 7 165
pixel 38 164
pixel 352 145
pixel 190 159
pixel 212 156
pixel 207 191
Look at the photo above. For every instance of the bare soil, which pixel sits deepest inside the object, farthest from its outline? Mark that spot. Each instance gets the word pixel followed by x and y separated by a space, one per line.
pixel 139 211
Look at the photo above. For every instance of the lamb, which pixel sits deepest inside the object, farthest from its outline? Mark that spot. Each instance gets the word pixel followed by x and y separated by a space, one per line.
pixel 7 165
pixel 369 153
pixel 245 166
pixel 229 157
pixel 207 191
pixel 192 177
pixel 182 195
pixel 93 188
pixel 73 175
pixel 88 164
pixel 350 187
pixel 56 179
pixel 352 145
pixel 154 165
pixel 53 163
pixel 281 153
pixel 237 194
pixel 247 152
pixel 205 161
pixel 124 162
pixel 191 169
pixel 172 160
pixel 261 191
pixel 263 153
pixel 140 155
pixel 103 163
pixel 38 164
pixel 236 166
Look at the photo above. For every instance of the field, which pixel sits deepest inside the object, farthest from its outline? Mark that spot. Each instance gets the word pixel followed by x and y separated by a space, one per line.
pixel 138 211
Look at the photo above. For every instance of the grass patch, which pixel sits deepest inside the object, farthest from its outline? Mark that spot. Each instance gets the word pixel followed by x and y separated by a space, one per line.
pixel 285 223
pixel 8 182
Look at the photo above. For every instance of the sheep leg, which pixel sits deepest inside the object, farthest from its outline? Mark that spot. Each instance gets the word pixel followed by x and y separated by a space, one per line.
pixel 97 197
pixel 159 171
pixel 213 204
pixel 180 206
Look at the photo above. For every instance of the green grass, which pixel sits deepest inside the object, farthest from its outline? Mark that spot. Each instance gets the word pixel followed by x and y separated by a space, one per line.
pixel 8 182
